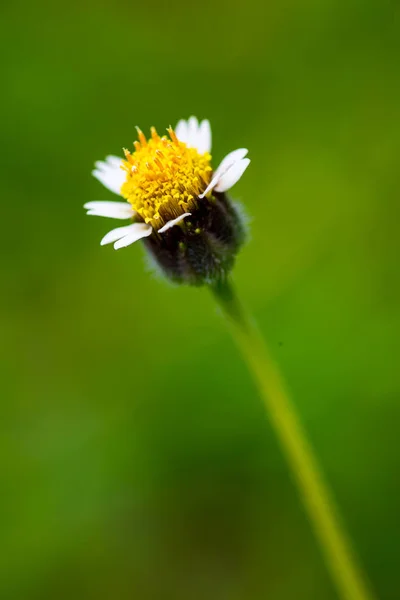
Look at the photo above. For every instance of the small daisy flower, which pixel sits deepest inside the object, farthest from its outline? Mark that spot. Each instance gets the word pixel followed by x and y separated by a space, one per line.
pixel 176 202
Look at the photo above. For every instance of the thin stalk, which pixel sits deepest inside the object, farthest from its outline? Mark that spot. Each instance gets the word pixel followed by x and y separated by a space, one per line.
pixel 341 561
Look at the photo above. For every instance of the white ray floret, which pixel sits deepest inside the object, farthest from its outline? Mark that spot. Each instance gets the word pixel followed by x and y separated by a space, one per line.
pixel 112 210
pixel 194 134
pixel 192 126
pixel 204 137
pixel 124 236
pixel 141 230
pixel 181 130
pixel 173 222
pixel 229 160
pixel 110 174
pixel 232 175
pixel 229 171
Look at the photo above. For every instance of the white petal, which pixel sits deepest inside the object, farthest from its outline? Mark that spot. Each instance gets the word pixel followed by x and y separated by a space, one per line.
pixel 204 137
pixel 113 210
pixel 120 232
pixel 194 135
pixel 110 174
pixel 115 161
pixel 181 130
pixel 232 175
pixel 193 128
pixel 227 163
pixel 229 160
pixel 210 186
pixel 173 222
pixel 142 230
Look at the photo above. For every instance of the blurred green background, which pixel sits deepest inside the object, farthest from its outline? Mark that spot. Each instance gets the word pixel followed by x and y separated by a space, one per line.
pixel 136 458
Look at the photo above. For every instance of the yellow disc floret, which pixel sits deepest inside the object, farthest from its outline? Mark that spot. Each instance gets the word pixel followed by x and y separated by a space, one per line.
pixel 164 177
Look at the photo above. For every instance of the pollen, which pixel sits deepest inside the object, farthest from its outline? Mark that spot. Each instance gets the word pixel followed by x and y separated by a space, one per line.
pixel 164 177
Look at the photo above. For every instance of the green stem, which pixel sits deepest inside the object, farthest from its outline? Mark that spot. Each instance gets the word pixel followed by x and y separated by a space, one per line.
pixel 346 573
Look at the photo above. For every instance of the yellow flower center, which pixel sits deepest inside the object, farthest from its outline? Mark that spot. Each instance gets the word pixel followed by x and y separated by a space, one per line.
pixel 164 177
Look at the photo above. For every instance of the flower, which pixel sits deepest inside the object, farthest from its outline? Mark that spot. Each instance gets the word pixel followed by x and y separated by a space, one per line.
pixel 175 201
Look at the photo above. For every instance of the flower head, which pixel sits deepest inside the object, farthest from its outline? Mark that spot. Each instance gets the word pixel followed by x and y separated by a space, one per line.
pixel 176 201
